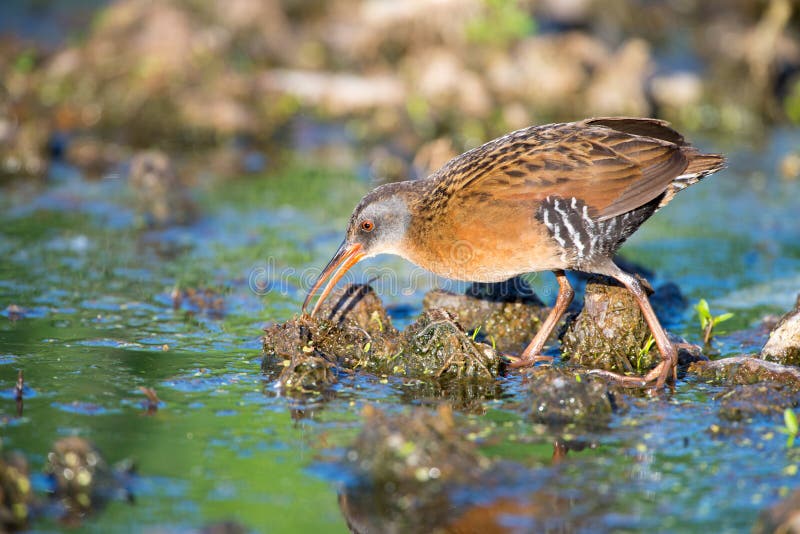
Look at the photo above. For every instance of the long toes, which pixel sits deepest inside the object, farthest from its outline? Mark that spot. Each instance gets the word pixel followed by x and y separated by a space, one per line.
pixel 528 361
pixel 632 381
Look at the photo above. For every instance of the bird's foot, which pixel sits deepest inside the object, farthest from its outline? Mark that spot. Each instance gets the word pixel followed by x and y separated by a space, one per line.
pixel 518 362
pixel 658 375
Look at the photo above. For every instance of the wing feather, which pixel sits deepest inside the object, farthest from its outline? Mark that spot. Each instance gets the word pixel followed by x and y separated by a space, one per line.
pixel 614 165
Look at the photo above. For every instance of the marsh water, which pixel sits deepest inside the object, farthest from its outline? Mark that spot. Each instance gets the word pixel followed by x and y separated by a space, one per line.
pixel 90 316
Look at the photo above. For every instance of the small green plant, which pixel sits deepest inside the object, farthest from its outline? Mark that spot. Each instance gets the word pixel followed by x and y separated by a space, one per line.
pixel 708 321
pixel 790 427
pixel 476 332
pixel 644 351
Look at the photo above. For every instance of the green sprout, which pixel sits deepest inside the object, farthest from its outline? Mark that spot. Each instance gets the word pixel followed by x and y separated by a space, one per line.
pixel 644 351
pixel 790 427
pixel 476 332
pixel 708 321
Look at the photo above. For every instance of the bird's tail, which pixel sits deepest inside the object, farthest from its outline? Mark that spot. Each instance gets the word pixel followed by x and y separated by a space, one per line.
pixel 700 166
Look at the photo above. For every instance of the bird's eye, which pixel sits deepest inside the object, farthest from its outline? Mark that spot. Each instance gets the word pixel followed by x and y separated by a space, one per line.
pixel 367 225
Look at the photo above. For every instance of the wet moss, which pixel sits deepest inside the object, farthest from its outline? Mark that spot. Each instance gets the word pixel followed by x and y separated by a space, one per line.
pixel 355 333
pixel 746 370
pixel 559 397
pixel 610 332
pixel 506 315
pixel 436 346
pixel 360 305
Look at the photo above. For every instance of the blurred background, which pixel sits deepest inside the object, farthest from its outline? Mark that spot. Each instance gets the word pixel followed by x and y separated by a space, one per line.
pixel 173 174
pixel 397 86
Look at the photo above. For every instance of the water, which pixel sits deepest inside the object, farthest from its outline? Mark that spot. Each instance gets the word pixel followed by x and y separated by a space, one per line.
pixel 99 322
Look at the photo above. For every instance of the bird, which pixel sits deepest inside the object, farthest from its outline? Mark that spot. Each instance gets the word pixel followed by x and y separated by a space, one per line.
pixel 556 197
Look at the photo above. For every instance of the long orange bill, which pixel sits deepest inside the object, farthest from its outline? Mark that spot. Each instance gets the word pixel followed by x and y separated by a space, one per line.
pixel 345 257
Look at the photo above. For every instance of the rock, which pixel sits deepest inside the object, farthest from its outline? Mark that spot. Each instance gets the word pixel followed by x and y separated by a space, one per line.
pixel 16 496
pixel 507 315
pixel 560 397
pixel 610 332
pixel 744 401
pixel 782 518
pixel 783 345
pixel 746 370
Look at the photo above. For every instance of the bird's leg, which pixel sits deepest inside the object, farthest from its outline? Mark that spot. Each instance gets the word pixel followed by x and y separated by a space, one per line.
pixel 669 355
pixel 532 352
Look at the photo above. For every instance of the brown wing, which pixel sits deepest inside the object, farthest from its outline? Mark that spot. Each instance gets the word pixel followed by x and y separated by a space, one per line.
pixel 614 165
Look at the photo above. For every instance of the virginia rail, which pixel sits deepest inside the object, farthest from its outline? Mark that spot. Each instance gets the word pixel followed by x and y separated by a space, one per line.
pixel 555 197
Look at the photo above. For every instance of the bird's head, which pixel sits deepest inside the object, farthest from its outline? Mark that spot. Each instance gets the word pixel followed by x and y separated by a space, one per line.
pixel 378 225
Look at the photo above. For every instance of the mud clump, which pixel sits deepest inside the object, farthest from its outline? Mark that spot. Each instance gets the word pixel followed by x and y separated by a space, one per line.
pixel 746 370
pixel 507 314
pixel 198 300
pixel 355 333
pixel 81 478
pixel 560 397
pixel 309 374
pixel 161 196
pixel 435 345
pixel 16 497
pixel 783 345
pixel 308 351
pixel 610 332
pixel 745 401
pixel 358 304
pixel 353 330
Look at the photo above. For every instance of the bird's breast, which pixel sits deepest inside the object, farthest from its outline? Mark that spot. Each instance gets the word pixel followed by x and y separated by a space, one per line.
pixel 489 244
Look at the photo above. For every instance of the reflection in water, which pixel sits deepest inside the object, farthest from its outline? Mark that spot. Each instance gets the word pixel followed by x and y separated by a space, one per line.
pixel 421 473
